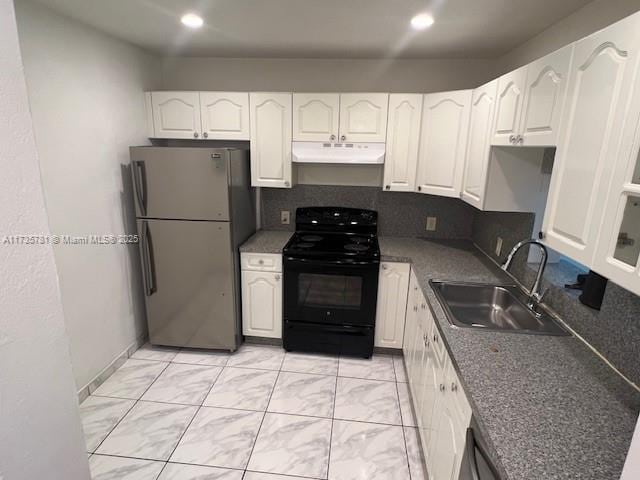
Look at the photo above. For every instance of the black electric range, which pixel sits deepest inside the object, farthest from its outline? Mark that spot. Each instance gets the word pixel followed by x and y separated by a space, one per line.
pixel 331 281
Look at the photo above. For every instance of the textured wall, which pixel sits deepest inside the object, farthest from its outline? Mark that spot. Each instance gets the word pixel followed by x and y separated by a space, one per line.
pixel 400 214
pixel 40 433
pixel 324 75
pixel 86 94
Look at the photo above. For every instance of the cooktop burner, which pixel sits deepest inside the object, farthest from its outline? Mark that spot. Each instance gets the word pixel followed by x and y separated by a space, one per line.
pixel 310 238
pixel 356 247
pixel 303 245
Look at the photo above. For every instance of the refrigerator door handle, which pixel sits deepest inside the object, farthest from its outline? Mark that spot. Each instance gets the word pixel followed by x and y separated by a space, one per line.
pixel 140 178
pixel 149 269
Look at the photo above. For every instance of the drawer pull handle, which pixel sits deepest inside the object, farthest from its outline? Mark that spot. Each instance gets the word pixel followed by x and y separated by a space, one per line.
pixel 442 387
pixel 261 262
pixel 454 387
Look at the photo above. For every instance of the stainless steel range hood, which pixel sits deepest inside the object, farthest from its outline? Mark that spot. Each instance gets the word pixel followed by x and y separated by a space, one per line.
pixel 339 153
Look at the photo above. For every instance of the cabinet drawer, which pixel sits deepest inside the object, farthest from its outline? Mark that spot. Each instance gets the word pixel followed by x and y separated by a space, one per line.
pixel 263 262
pixel 437 343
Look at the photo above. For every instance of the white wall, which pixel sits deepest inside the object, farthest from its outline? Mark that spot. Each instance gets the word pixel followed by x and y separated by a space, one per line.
pixel 40 433
pixel 86 96
pixel 323 75
pixel 591 18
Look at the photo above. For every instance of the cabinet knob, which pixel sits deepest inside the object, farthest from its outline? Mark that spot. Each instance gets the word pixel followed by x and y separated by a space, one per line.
pixel 343 138
pixel 435 338
pixel 512 138
pixel 384 267
pixel 423 306
pixel 261 262
pixel 387 187
pixel 195 134
pixel 541 235
pixel 442 387
pixel 419 188
pixel 520 139
pixel 205 135
pixel 454 387
pixel 332 138
pixel 277 277
pixel 415 308
pixel 286 183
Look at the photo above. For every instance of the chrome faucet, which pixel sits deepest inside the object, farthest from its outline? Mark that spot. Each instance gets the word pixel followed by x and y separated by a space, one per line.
pixel 535 295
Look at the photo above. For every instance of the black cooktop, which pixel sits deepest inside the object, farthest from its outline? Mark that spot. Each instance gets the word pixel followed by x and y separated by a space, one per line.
pixel 331 244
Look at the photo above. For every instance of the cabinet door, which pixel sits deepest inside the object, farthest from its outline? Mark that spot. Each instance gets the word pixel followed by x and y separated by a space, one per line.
pixel 427 415
pixel 403 137
pixel 315 117
pixel 176 114
pixel 447 443
pixel 445 125
pixel 261 304
pixel 225 115
pixel 411 328
pixel 598 92
pixel 479 144
pixel 511 89
pixel 270 139
pixel 393 287
pixel 544 99
pixel 363 117
pixel 618 246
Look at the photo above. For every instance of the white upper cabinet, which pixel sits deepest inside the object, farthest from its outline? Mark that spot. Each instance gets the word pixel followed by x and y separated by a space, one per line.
pixel 270 139
pixel 392 304
pixel 445 125
pixel 618 247
pixel 509 107
pixel 225 115
pixel 478 143
pixel 600 82
pixel 176 114
pixel 544 99
pixel 363 117
pixel 403 137
pixel 316 117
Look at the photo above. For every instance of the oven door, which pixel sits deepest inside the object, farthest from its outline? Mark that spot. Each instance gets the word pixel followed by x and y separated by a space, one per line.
pixel 341 292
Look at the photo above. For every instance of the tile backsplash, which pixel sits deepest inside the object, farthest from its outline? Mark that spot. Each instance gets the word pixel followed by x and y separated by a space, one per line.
pixel 400 214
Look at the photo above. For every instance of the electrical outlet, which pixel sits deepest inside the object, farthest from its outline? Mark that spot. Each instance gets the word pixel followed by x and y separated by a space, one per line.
pixel 498 246
pixel 431 224
pixel 284 217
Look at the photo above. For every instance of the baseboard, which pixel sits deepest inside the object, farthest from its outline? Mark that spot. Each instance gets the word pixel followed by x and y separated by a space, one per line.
pixel 116 363
pixel 263 341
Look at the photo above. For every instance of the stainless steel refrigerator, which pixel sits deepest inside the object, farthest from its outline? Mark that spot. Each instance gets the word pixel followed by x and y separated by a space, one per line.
pixel 194 207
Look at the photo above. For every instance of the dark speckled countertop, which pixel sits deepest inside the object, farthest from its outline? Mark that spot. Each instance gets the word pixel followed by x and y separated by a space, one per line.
pixel 548 407
pixel 266 241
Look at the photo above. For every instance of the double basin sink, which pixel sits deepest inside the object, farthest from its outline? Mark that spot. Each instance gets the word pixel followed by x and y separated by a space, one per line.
pixel 493 307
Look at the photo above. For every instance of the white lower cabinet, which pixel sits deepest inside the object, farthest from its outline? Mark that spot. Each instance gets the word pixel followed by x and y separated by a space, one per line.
pixel 393 286
pixel 261 300
pixel 442 409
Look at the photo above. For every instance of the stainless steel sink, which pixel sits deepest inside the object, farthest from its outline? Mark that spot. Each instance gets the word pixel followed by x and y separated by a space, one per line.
pixel 492 307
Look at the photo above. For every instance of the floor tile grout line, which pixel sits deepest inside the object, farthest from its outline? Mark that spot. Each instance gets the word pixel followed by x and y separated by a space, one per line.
pixel 333 417
pixel 404 437
pixel 255 440
pixel 132 407
pixel 194 416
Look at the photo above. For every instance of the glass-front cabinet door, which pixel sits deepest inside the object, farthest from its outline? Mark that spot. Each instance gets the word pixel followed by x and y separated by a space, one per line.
pixel 618 251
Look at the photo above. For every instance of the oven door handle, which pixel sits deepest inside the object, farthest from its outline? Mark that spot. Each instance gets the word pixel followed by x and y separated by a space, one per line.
pixel 317 261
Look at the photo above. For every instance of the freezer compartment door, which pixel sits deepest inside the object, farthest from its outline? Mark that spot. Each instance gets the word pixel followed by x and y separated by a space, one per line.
pixel 180 183
pixel 188 275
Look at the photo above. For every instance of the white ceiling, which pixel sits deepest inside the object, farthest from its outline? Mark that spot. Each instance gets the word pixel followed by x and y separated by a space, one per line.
pixel 322 28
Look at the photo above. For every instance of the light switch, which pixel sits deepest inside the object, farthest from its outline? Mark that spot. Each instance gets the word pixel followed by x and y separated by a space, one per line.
pixel 284 217
pixel 498 246
pixel 431 224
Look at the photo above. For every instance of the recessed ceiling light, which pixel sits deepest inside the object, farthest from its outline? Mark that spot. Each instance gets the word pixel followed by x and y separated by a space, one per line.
pixel 192 20
pixel 422 21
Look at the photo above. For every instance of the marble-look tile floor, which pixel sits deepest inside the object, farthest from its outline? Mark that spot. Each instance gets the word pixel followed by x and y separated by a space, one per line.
pixel 256 414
